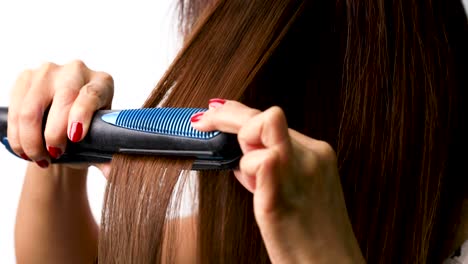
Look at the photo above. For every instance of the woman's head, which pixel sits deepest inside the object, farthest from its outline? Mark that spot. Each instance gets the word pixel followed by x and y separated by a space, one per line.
pixel 380 81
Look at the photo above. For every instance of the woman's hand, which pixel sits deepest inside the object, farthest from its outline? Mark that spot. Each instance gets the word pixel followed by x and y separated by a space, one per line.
pixel 298 200
pixel 54 223
pixel 72 91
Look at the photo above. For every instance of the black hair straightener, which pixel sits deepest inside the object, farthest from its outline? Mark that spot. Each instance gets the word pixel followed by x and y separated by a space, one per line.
pixel 147 131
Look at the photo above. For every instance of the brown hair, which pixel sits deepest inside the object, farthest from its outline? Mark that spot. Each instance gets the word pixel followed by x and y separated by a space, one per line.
pixel 382 81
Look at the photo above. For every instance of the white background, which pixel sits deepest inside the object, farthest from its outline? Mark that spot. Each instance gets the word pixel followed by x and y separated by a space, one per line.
pixel 134 41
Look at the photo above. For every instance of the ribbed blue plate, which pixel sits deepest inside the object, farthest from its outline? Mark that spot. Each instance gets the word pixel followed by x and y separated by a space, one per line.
pixel 169 121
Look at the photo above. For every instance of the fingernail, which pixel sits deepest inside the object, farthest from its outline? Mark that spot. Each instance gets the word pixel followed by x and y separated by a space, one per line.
pixel 216 102
pixel 25 157
pixel 76 130
pixel 54 152
pixel 196 117
pixel 42 163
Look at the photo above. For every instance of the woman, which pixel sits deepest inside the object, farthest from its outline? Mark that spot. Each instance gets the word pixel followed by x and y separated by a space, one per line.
pixel 351 125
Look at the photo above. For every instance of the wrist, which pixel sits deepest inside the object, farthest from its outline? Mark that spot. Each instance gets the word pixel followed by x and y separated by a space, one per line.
pixel 56 179
pixel 295 240
pixel 338 246
pixel 329 251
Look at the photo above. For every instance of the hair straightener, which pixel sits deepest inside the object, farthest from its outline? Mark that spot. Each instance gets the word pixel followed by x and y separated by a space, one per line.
pixel 147 131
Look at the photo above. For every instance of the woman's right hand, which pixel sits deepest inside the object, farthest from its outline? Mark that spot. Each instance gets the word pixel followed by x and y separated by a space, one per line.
pixel 72 91
pixel 63 227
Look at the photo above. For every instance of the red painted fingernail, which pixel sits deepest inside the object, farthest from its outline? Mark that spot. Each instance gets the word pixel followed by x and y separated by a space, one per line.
pixel 216 102
pixel 42 163
pixel 54 152
pixel 25 157
pixel 76 130
pixel 196 117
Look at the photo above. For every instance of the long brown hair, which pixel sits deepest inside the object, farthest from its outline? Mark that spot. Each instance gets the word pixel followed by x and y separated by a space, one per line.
pixel 382 81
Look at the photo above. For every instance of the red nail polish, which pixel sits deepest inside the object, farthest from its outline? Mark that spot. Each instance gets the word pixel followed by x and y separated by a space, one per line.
pixel 196 117
pixel 54 152
pixel 42 163
pixel 76 130
pixel 25 157
pixel 216 102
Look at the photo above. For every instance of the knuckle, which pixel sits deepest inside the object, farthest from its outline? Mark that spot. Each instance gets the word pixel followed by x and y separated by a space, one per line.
pixel 40 76
pixel 106 77
pixel 277 110
pixel 78 64
pixel 275 115
pixel 28 116
pixel 326 151
pixel 47 67
pixel 93 90
pixel 255 112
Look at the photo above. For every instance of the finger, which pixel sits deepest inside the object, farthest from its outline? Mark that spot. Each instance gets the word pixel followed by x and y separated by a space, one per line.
pixel 20 88
pixel 104 168
pixel 257 167
pixel 267 129
pixel 227 118
pixel 305 144
pixel 95 95
pixel 302 139
pixel 68 82
pixel 247 181
pixel 31 116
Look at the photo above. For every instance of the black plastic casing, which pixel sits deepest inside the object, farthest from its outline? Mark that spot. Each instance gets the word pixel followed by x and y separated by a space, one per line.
pixel 104 140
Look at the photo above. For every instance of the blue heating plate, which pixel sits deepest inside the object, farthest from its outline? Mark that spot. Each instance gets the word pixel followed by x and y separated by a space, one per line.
pixel 169 121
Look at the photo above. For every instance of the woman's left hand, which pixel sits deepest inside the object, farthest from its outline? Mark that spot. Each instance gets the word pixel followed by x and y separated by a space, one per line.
pixel 298 200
